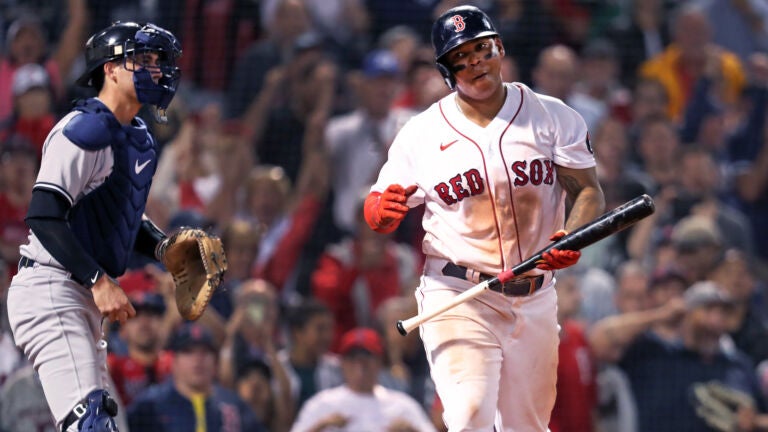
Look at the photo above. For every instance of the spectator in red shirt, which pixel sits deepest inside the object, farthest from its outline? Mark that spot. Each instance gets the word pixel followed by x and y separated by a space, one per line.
pixel 576 372
pixel 286 215
pixel 355 276
pixel 146 363
pixel 18 170
pixel 33 114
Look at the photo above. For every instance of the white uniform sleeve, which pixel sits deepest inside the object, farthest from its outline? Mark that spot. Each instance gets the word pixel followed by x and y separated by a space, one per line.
pixel 572 146
pixel 70 170
pixel 399 167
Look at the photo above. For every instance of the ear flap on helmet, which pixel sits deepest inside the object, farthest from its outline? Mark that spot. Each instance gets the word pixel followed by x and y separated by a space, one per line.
pixel 450 81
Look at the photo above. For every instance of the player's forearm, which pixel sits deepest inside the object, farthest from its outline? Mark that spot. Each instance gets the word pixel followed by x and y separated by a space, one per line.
pixel 588 205
pixel 255 116
pixel 584 195
pixel 73 36
pixel 284 406
pixel 610 336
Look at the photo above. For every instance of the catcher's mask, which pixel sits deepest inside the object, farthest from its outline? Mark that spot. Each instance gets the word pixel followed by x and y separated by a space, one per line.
pixel 128 41
pixel 455 27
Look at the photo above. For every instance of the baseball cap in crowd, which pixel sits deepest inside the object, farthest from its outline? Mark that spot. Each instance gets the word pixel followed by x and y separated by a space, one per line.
pixel 379 63
pixel 706 293
pixel 26 21
pixel 254 364
pixel 28 77
pixel 148 301
pixel 361 339
pixel 190 335
pixel 695 232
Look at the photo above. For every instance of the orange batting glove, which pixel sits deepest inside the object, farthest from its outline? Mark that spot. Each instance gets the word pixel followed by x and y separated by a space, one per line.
pixel 556 259
pixel 385 210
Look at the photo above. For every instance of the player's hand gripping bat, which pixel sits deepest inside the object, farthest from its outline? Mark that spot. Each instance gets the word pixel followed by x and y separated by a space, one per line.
pixel 609 223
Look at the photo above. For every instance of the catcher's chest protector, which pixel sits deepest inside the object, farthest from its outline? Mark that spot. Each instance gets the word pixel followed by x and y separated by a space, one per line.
pixel 107 219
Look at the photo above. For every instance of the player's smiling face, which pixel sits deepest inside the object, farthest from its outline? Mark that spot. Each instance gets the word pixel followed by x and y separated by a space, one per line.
pixel 476 65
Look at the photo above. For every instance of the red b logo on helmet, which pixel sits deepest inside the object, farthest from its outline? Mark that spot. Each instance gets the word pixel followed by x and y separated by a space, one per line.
pixel 458 22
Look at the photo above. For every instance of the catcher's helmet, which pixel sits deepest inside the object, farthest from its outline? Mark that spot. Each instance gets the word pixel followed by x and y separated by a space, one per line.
pixel 122 40
pixel 455 27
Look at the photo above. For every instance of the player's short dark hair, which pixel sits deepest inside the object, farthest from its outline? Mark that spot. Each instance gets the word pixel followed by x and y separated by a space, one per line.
pixel 299 315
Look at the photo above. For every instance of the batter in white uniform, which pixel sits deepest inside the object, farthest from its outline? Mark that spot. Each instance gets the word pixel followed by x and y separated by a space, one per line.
pixel 86 218
pixel 496 166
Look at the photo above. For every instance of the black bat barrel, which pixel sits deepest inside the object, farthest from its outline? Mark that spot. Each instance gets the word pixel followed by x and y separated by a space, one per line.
pixel 609 223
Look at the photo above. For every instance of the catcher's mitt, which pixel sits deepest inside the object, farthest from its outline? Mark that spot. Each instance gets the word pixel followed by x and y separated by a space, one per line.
pixel 197 263
pixel 717 404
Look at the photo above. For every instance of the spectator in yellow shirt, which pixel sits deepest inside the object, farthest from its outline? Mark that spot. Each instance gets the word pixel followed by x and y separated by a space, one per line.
pixel 692 56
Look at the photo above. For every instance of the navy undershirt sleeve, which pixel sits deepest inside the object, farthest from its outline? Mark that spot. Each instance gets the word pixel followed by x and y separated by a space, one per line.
pixel 47 218
pixel 147 239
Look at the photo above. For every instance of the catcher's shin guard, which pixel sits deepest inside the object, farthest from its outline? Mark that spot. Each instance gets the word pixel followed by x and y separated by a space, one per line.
pixel 94 413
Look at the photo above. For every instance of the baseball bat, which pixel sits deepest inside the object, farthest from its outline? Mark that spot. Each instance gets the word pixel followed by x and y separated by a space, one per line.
pixel 609 223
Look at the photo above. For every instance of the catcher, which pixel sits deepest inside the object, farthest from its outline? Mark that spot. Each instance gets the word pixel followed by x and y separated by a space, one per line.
pixel 86 219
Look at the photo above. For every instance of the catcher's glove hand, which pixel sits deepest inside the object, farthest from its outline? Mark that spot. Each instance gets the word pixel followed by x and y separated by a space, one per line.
pixel 718 405
pixel 197 263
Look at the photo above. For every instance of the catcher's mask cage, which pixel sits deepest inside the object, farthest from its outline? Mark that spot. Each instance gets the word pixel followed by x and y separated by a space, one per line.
pixel 128 41
pixel 455 27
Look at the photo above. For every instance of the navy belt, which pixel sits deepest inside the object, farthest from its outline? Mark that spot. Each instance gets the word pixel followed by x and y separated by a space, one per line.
pixel 25 262
pixel 513 288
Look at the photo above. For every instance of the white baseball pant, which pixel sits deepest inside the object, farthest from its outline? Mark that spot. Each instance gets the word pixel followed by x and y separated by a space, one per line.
pixel 494 358
pixel 58 326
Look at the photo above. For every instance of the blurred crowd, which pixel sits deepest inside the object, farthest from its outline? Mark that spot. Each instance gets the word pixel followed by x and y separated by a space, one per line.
pixel 284 117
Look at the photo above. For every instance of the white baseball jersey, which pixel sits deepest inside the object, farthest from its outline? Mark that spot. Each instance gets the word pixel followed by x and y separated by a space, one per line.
pixel 492 200
pixel 365 412
pixel 491 194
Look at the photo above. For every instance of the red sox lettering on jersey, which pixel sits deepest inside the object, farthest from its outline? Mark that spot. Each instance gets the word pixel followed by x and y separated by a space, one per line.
pixel 470 183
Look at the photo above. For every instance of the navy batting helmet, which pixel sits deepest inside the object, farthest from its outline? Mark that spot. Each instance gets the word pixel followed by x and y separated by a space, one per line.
pixel 455 27
pixel 122 40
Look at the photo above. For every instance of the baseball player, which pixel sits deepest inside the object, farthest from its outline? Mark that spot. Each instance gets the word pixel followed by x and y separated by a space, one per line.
pixel 85 219
pixel 495 164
